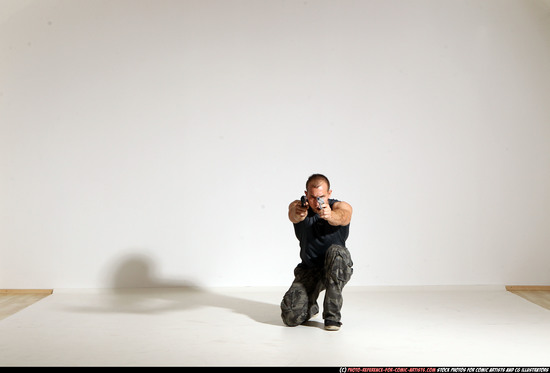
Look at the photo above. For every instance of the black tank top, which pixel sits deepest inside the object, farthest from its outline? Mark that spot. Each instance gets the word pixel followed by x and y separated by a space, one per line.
pixel 316 235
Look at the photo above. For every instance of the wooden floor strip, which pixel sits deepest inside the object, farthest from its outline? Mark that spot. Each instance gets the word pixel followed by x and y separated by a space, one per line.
pixel 527 288
pixel 26 291
pixel 13 303
pixel 539 295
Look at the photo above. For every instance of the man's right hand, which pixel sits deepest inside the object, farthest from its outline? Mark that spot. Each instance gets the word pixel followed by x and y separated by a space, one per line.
pixel 297 213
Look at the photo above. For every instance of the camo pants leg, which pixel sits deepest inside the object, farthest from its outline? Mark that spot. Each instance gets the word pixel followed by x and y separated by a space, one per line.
pixel 300 301
pixel 337 272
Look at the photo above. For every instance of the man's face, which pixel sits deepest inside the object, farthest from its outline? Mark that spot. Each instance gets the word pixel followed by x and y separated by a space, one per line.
pixel 320 191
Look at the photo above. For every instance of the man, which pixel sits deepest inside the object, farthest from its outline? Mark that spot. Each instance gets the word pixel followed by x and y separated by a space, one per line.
pixel 321 225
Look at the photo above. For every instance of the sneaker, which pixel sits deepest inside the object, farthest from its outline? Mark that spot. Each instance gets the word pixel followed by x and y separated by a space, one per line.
pixel 332 325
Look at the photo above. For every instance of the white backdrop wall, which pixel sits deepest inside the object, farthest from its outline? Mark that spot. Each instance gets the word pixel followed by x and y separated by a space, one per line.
pixel 158 143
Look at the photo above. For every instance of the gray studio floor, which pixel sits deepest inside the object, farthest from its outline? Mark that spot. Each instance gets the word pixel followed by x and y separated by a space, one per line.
pixel 463 326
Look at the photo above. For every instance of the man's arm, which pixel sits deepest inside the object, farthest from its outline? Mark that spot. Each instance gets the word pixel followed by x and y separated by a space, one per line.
pixel 339 215
pixel 297 213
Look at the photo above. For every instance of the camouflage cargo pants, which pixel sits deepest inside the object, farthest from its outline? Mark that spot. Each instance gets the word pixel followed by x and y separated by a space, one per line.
pixel 300 301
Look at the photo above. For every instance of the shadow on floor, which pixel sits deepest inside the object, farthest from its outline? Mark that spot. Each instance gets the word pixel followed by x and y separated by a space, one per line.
pixel 136 290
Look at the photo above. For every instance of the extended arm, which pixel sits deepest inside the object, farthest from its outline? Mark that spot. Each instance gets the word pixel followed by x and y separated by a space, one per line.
pixel 339 215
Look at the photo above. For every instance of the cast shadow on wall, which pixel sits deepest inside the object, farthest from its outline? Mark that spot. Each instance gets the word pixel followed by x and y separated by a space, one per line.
pixel 136 290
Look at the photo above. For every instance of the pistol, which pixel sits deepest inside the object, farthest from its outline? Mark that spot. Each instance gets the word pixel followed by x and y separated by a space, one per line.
pixel 321 202
pixel 303 200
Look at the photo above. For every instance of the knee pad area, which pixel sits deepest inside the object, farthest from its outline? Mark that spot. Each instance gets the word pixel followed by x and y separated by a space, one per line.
pixel 294 306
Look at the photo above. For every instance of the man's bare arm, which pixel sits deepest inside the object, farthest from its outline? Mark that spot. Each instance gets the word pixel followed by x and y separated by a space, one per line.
pixel 340 214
